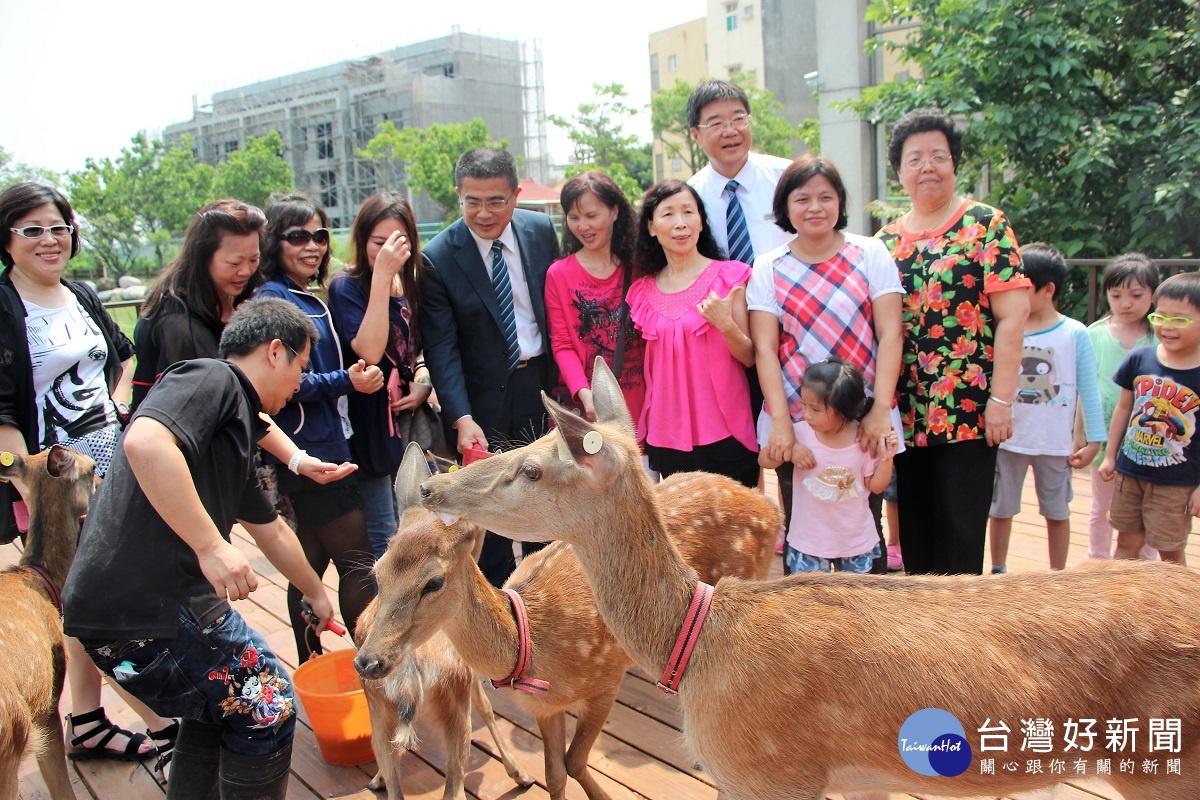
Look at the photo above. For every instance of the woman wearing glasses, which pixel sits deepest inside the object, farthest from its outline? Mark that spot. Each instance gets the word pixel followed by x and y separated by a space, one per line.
pixel 68 383
pixel 328 518
pixel 375 305
pixel 963 326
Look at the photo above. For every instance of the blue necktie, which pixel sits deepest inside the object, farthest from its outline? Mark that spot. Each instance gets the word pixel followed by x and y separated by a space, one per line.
pixel 740 248
pixel 504 297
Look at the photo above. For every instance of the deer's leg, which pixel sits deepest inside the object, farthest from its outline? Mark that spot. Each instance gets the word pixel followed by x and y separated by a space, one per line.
pixel 51 759
pixel 483 705
pixel 554 745
pixel 383 729
pixel 592 715
pixel 452 700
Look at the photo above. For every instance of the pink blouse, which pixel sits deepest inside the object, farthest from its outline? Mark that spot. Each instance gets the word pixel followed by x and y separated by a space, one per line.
pixel 696 391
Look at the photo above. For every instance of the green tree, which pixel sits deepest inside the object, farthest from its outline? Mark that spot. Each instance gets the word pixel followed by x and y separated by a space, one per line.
pixel 428 155
pixel 13 172
pixel 1085 116
pixel 256 172
pixel 598 132
pixel 773 134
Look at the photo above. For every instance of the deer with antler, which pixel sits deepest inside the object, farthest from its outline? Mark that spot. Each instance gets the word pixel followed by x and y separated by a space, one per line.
pixel 429 583
pixel 802 686
pixel 59 484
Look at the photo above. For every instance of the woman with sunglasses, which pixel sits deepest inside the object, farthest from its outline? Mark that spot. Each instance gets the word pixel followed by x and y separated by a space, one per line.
pixel 375 306
pixel 68 384
pixel 328 518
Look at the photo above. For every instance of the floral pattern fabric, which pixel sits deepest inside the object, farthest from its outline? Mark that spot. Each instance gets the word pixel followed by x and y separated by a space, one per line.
pixel 948 324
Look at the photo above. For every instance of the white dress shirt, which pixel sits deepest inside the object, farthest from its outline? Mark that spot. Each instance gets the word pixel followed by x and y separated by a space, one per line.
pixel 529 336
pixel 756 193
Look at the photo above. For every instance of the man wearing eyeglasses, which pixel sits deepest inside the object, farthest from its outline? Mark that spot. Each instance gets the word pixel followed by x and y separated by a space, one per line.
pixel 483 319
pixel 737 186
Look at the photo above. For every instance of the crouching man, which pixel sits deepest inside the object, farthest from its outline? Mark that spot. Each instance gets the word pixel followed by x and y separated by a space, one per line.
pixel 149 591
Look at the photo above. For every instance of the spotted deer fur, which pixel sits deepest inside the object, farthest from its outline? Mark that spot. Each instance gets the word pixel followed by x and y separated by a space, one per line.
pixel 799 686
pixel 430 586
pixel 60 484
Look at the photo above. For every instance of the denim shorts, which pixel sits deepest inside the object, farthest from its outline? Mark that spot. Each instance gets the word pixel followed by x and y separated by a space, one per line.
pixel 222 675
pixel 802 562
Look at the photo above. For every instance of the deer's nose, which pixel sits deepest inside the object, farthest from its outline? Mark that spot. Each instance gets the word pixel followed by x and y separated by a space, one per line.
pixel 369 668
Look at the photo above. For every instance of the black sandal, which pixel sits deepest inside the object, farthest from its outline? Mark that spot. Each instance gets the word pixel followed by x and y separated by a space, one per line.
pixel 164 740
pixel 84 748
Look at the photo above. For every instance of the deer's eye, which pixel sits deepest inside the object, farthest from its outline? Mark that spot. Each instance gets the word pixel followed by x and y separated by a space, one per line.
pixel 531 472
pixel 434 585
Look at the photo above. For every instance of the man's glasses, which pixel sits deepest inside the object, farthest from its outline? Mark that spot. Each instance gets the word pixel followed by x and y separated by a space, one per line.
pixel 300 237
pixel 304 373
pixel 38 231
pixel 1158 320
pixel 473 204
pixel 739 122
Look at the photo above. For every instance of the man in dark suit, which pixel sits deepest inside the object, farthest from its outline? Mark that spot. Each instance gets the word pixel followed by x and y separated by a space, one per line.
pixel 483 319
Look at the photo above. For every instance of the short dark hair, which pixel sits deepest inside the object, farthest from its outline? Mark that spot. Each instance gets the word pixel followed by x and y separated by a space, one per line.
pixel 374 210
pixel 1044 264
pixel 650 257
pixel 840 386
pixel 710 92
pixel 1184 287
pixel 486 162
pixel 921 120
pixel 187 277
pixel 19 200
pixel 624 232
pixel 293 211
pixel 1130 268
pixel 262 320
pixel 800 172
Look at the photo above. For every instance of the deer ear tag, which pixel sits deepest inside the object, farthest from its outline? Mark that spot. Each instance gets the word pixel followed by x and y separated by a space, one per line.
pixel 6 459
pixel 592 442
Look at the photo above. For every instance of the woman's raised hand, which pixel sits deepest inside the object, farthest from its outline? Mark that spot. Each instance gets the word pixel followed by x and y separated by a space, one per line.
pixel 718 311
pixel 393 255
pixel 365 379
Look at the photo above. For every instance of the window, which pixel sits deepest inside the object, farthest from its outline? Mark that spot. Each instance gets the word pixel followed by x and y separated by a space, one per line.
pixel 654 72
pixel 672 63
pixel 658 166
pixel 731 16
pixel 748 12
pixel 734 70
pixel 329 192
pixel 231 147
pixel 325 141
pixel 677 164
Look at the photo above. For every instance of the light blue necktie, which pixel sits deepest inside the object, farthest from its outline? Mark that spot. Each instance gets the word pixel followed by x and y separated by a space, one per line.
pixel 740 248
pixel 504 296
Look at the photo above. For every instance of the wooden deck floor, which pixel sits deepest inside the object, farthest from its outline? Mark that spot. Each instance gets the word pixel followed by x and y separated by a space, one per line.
pixel 640 755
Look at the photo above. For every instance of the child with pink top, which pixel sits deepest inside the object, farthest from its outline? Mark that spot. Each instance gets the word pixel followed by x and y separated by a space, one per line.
pixel 832 525
pixel 585 293
pixel 690 307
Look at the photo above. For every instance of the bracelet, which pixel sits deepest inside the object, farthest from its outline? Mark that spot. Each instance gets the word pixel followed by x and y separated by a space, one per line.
pixel 294 462
pixel 998 401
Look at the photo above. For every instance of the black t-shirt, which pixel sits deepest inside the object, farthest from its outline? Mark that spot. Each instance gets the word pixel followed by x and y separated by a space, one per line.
pixel 132 571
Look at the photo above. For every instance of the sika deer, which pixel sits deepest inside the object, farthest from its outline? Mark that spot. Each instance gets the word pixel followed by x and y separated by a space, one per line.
pixel 799 686
pixel 60 484
pixel 434 677
pixel 430 585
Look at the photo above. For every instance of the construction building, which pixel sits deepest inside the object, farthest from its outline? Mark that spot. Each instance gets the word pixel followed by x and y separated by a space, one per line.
pixel 326 114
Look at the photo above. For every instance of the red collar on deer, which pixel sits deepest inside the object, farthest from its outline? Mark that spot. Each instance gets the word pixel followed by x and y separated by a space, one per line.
pixel 516 678
pixel 48 584
pixel 693 621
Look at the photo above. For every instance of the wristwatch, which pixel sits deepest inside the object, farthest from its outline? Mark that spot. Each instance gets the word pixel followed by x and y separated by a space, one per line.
pixel 122 412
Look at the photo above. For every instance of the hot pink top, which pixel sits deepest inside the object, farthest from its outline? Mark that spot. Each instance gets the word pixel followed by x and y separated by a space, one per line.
pixel 696 391
pixel 584 314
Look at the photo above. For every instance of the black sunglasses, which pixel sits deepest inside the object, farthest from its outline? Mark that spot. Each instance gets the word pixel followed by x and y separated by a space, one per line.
pixel 300 237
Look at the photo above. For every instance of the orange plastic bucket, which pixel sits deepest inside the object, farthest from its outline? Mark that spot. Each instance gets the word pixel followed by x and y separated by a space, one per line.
pixel 333 697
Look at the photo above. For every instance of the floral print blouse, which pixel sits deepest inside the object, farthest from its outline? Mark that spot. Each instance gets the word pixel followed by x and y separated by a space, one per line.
pixel 948 324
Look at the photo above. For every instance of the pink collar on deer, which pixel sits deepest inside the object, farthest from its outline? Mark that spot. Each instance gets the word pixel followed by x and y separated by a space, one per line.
pixel 517 679
pixel 693 621
pixel 48 584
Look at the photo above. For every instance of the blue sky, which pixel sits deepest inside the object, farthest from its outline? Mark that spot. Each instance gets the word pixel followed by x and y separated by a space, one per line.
pixel 83 76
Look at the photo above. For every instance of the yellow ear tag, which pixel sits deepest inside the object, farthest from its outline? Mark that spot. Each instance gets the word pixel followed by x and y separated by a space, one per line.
pixel 593 442
pixel 7 459
pixel 452 468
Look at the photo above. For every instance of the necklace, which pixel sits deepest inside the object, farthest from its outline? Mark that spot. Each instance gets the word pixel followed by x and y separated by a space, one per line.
pixel 944 214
